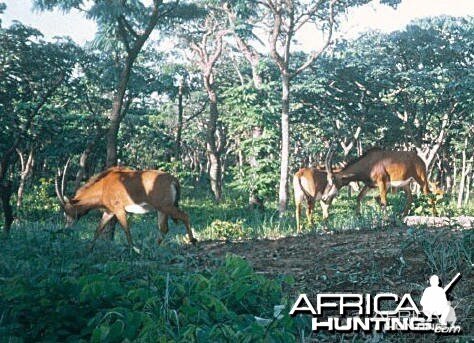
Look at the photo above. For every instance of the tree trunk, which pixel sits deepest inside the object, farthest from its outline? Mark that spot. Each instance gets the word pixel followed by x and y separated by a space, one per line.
pixel 215 167
pixel 463 176
pixel 455 175
pixel 254 200
pixel 26 168
pixel 468 184
pixel 83 160
pixel 253 58
pixel 240 157
pixel 116 114
pixel 115 119
pixel 429 154
pixel 6 191
pixel 180 120
pixel 285 144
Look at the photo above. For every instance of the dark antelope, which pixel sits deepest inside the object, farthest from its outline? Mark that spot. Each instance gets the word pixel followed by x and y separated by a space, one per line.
pixel 308 186
pixel 379 169
pixel 118 191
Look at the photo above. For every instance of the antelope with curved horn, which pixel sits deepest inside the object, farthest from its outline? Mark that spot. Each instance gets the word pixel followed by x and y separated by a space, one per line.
pixel 118 191
pixel 380 169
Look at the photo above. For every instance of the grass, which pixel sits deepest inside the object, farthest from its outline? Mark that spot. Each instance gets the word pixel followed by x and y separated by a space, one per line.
pixel 211 220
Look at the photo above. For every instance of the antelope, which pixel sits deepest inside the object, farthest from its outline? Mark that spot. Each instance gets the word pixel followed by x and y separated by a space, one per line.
pixel 380 169
pixel 118 191
pixel 309 185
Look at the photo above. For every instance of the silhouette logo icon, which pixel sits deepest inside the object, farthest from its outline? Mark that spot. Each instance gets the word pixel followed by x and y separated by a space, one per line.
pixel 435 302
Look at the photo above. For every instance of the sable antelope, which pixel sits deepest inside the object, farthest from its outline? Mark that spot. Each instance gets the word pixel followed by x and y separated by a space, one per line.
pixel 118 191
pixel 381 169
pixel 309 185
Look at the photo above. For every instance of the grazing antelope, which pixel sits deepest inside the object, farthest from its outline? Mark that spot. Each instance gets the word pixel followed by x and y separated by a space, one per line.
pixel 309 185
pixel 118 191
pixel 381 169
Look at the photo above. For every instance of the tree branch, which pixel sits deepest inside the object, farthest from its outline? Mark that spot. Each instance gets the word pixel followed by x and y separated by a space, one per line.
pixel 275 33
pixel 123 36
pixel 315 54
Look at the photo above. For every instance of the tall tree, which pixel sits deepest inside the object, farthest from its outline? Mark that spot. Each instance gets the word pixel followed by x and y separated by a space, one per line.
pixel 207 46
pixel 129 24
pixel 285 19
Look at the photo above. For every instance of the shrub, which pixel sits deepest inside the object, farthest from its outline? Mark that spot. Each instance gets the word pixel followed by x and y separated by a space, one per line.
pixel 227 230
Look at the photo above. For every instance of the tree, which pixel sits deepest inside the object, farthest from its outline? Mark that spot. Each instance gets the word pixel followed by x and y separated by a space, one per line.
pixel 32 73
pixel 207 46
pixel 283 19
pixel 126 23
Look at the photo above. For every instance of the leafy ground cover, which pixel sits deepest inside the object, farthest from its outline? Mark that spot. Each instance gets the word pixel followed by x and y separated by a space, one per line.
pixel 54 289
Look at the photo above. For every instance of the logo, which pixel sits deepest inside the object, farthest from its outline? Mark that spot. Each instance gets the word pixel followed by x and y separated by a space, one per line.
pixel 344 312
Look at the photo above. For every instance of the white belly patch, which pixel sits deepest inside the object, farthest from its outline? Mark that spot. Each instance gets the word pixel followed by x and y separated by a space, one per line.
pixel 401 183
pixel 139 208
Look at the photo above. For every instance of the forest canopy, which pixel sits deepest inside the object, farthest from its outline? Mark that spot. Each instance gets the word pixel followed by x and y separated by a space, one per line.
pixel 216 108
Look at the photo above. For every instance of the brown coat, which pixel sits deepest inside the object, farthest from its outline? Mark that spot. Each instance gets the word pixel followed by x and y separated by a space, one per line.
pixel 118 191
pixel 308 186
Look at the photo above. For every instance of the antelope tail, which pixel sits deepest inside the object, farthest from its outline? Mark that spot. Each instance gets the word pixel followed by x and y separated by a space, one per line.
pixel 306 194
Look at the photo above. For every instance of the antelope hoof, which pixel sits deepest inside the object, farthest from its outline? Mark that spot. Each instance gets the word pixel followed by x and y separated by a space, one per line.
pixel 193 240
pixel 159 241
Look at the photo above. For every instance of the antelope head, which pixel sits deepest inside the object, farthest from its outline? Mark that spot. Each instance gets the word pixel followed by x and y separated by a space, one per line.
pixel 332 187
pixel 66 205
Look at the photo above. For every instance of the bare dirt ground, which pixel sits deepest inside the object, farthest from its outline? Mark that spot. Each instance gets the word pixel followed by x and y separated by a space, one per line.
pixel 389 259
pixel 392 259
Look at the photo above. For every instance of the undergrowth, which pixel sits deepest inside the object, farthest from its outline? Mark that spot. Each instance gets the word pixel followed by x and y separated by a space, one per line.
pixel 53 288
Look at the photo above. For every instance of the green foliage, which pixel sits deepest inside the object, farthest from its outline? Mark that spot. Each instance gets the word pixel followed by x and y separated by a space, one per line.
pixel 38 203
pixel 52 289
pixel 250 116
pixel 33 71
pixel 226 230
pixel 421 205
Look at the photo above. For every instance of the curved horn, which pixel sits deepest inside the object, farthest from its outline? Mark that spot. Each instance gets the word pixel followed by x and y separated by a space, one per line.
pixel 63 181
pixel 60 192
pixel 62 203
pixel 328 163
